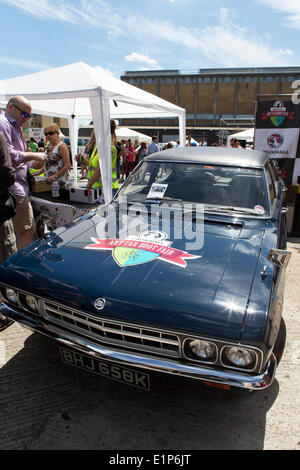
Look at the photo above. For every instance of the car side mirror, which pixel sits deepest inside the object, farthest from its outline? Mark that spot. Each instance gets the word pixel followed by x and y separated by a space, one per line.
pixel 278 257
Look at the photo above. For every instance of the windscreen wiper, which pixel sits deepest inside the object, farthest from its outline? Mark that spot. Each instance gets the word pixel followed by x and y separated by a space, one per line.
pixel 231 209
pixel 157 200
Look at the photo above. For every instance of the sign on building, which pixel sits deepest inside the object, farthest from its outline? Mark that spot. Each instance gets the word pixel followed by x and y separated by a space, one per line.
pixel 36 132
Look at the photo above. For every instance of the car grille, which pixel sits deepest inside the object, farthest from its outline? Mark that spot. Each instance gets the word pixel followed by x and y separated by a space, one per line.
pixel 111 331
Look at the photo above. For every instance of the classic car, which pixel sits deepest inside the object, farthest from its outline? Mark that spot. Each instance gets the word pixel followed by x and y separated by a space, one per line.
pixel 182 273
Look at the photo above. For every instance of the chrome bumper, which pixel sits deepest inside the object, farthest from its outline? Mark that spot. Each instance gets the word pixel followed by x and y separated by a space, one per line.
pixel 200 372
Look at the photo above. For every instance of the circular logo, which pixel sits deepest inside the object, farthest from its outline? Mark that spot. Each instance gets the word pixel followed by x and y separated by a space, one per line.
pixel 153 235
pixel 99 304
pixel 278 104
pixel 275 140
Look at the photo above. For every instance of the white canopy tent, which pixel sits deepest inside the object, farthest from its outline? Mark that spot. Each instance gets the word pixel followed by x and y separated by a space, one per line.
pixel 123 133
pixel 78 90
pixel 247 135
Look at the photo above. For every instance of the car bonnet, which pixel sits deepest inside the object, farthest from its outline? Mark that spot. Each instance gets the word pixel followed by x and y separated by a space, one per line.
pixel 160 281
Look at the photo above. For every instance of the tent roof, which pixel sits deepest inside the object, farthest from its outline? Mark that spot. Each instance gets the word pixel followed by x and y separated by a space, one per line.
pixel 121 132
pixel 65 91
pixel 124 132
pixel 79 90
pixel 247 134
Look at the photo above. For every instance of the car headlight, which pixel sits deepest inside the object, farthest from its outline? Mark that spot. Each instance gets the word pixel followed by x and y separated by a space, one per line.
pixel 201 349
pixel 31 303
pixel 11 296
pixel 240 357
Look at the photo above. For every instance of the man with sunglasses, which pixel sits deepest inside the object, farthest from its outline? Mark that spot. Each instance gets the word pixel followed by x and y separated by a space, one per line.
pixel 18 111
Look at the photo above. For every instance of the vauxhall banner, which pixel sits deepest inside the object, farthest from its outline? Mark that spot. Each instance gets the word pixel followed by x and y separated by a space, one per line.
pixel 277 133
pixel 281 143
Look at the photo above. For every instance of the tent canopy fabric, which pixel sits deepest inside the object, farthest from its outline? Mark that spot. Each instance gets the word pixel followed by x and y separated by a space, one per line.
pixel 125 133
pixel 78 90
pixel 247 135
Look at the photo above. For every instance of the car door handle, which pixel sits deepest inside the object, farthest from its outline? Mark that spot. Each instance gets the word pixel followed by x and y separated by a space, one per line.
pixel 284 210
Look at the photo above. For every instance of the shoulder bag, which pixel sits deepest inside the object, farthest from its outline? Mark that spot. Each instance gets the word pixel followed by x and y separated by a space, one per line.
pixel 7 206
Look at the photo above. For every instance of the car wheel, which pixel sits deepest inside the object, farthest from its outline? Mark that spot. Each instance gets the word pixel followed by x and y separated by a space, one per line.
pixel 280 342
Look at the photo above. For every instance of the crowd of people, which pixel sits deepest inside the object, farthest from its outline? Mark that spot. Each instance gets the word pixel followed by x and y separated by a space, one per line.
pixel 126 155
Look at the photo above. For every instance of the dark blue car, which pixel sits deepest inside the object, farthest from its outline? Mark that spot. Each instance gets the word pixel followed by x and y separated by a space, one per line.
pixel 182 273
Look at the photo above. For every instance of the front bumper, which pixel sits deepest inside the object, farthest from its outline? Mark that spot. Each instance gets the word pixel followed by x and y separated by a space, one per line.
pixel 200 372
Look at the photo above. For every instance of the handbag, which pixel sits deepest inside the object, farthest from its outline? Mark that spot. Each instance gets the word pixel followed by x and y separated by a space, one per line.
pixel 30 182
pixel 7 206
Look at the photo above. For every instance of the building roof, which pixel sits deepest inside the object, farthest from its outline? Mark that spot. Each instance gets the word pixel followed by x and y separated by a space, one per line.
pixel 212 155
pixel 216 71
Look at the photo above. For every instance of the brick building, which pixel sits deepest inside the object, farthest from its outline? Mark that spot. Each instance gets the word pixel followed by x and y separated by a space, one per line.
pixel 214 99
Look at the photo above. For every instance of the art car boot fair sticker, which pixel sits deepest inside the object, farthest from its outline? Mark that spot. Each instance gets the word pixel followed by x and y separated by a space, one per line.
pixel 143 249
pixel 278 113
pixel 259 210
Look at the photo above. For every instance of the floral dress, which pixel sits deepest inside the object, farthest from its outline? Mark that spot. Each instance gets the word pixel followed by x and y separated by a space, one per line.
pixel 54 164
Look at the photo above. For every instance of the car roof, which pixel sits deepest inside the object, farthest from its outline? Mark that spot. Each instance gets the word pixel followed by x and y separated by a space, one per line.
pixel 212 155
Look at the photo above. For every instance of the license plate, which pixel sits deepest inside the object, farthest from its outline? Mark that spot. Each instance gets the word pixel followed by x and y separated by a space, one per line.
pixel 106 369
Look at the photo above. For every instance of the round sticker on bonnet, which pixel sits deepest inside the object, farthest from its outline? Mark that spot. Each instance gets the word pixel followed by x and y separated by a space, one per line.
pixel 259 210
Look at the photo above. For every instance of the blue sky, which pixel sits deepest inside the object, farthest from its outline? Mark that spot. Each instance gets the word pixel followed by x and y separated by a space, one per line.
pixel 147 34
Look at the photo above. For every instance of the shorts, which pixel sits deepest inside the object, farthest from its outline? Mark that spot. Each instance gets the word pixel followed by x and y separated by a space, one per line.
pixel 7 240
pixel 24 219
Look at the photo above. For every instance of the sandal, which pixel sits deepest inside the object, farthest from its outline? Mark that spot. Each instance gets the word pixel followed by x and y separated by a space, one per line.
pixel 4 323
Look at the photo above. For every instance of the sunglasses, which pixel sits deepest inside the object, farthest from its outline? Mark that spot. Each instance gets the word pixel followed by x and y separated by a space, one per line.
pixel 49 133
pixel 24 114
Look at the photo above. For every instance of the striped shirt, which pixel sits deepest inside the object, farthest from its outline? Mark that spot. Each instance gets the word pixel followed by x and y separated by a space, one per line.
pixel 12 133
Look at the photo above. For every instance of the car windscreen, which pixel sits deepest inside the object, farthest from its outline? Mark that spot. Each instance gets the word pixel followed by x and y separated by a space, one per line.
pixel 215 186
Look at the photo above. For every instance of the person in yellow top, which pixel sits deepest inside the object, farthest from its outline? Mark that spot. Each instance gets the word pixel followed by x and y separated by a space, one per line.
pixel 94 172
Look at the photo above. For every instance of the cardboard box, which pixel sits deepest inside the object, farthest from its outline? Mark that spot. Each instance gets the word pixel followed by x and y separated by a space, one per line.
pixel 41 185
pixel 87 196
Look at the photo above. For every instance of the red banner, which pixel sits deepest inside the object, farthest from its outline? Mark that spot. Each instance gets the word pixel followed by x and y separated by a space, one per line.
pixel 167 253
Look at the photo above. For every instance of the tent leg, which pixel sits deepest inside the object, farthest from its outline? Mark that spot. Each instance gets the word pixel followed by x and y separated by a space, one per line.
pixel 101 119
pixel 73 129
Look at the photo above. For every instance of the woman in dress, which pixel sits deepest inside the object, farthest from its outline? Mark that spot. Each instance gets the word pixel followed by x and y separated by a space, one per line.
pixel 129 158
pixel 58 164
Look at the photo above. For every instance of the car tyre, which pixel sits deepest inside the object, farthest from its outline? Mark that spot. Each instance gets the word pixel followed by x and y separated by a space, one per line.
pixel 280 342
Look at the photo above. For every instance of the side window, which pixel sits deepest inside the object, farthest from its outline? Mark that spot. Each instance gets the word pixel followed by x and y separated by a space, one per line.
pixel 271 183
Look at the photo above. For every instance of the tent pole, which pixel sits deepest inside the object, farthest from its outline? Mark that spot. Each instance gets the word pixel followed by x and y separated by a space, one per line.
pixel 101 119
pixel 182 129
pixel 73 129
